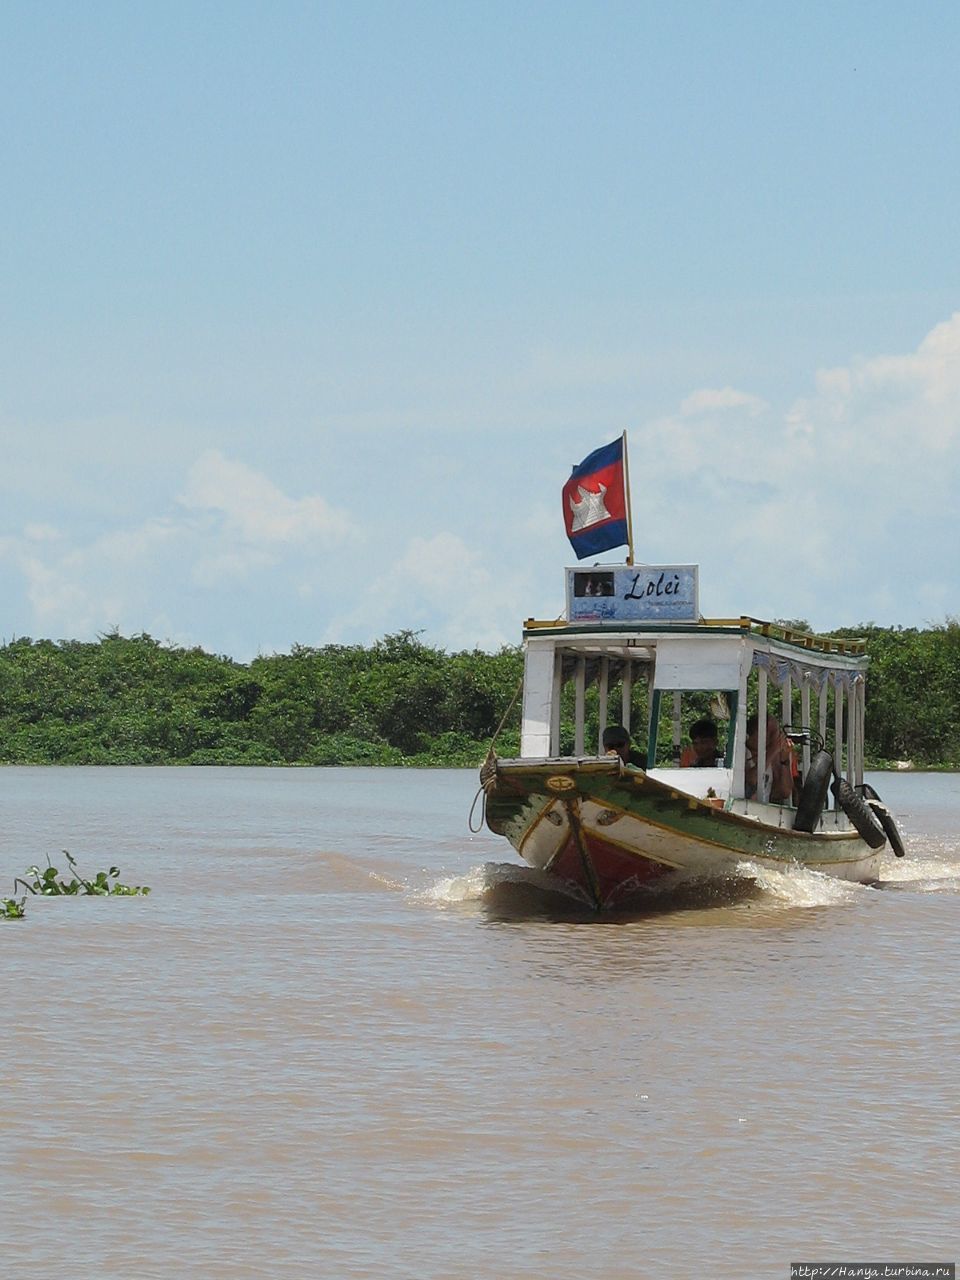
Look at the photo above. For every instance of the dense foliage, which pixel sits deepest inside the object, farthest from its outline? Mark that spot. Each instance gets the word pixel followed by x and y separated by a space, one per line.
pixel 132 700
pixel 913 693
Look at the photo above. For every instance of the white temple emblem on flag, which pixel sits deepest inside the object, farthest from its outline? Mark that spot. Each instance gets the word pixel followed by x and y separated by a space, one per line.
pixel 589 510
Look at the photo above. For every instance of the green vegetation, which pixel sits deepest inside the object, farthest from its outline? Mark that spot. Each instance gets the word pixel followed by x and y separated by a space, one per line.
pixel 913 694
pixel 48 884
pixel 132 700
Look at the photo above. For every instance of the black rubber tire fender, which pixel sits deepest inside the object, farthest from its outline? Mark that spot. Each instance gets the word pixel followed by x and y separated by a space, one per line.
pixel 886 820
pixel 814 794
pixel 859 813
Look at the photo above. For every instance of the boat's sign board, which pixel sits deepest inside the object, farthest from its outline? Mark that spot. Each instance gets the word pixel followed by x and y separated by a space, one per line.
pixel 632 593
pixel 712 662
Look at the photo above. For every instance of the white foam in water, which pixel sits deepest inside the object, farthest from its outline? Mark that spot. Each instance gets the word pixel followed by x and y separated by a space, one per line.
pixel 466 888
pixel 477 884
pixel 796 886
pixel 800 887
pixel 793 886
pixel 936 869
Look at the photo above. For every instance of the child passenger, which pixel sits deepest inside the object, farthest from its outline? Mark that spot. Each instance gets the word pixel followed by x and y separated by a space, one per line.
pixel 616 742
pixel 702 754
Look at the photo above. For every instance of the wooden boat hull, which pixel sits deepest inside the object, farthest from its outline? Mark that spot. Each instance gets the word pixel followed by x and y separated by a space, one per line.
pixel 609 828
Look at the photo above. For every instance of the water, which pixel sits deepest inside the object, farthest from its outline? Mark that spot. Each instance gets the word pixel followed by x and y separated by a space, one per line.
pixel 346 1038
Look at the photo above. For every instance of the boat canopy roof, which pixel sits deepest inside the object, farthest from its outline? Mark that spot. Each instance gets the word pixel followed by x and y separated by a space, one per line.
pixel 636 641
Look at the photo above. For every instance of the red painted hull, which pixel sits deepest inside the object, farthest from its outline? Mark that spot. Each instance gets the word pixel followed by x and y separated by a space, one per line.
pixel 612 873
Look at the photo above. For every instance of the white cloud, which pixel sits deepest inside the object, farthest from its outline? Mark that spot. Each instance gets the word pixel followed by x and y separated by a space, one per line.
pixel 230 526
pixel 251 524
pixel 443 585
pixel 710 400
pixel 253 508
pixel 84 589
pixel 229 566
pixel 838 507
pixel 890 398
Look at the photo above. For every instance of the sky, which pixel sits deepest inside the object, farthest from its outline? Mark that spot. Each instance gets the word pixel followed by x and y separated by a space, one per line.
pixel 307 310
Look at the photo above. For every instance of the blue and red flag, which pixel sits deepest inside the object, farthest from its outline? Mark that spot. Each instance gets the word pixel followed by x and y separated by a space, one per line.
pixel 595 502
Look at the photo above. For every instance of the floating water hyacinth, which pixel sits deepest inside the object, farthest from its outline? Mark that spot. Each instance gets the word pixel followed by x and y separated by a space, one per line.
pixel 49 884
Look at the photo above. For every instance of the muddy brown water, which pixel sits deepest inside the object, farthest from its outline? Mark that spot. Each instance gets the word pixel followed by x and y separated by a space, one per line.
pixel 345 1037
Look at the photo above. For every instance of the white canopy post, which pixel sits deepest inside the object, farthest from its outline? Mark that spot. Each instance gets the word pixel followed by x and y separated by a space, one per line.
pixel 604 690
pixel 761 731
pixel 580 686
pixel 555 705
pixel 652 729
pixel 861 727
pixel 855 764
pixel 740 734
pixel 676 726
pixel 540 700
pixel 805 723
pixel 626 693
pixel 786 703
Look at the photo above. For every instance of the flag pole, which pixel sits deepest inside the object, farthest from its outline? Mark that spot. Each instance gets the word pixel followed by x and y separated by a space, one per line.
pixel 626 486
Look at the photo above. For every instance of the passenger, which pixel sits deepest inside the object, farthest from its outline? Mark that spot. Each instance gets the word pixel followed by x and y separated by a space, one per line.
pixel 616 742
pixel 781 776
pixel 703 752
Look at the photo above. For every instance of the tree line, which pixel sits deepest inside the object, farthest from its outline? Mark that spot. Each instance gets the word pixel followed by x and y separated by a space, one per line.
pixel 132 700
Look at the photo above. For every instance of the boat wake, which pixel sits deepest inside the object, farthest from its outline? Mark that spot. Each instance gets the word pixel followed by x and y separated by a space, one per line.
pixel 799 886
pixel 506 890
pixel 935 869
pixel 338 873
pixel 509 889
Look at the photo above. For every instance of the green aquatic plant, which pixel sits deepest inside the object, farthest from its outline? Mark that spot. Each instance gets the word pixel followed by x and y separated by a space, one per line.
pixel 11 909
pixel 49 884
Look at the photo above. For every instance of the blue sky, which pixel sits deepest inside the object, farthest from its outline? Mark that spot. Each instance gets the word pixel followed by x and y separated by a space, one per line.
pixel 308 309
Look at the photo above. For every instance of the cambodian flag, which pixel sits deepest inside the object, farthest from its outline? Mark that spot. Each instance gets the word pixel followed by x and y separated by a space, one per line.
pixel 595 504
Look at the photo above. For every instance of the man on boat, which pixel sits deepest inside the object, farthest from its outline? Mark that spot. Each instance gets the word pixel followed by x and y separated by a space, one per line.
pixel 616 742
pixel 781 774
pixel 702 754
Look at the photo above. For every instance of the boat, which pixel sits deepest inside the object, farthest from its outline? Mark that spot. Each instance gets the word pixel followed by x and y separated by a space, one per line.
pixel 632 649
